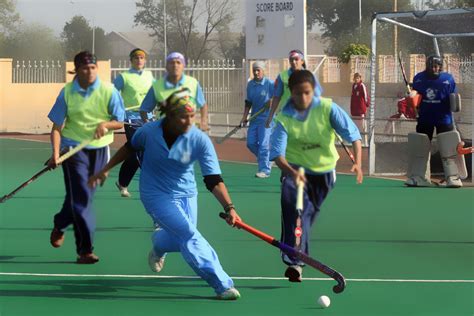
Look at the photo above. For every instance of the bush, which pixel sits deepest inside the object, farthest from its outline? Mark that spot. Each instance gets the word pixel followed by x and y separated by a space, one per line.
pixel 354 49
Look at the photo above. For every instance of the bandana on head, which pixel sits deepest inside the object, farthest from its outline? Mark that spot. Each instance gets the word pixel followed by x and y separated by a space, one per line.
pixel 179 102
pixel 259 64
pixel 137 52
pixel 296 54
pixel 84 58
pixel 176 55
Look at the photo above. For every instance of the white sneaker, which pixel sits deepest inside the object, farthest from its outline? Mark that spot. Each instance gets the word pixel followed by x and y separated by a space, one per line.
pixel 261 175
pixel 123 190
pixel 229 295
pixel 451 182
pixel 417 181
pixel 156 263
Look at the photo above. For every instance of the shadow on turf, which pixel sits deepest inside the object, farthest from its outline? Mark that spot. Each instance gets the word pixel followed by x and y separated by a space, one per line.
pixel 13 260
pixel 103 289
pixel 135 229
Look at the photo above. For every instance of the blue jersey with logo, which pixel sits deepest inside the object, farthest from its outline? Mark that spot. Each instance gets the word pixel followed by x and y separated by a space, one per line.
pixel 258 94
pixel 434 108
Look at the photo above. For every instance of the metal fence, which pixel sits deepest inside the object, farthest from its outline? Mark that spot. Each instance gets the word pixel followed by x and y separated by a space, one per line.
pixel 33 71
pixel 223 83
pixel 332 70
pixel 360 65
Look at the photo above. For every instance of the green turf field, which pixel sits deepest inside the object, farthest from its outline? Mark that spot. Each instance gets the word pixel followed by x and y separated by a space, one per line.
pixel 403 251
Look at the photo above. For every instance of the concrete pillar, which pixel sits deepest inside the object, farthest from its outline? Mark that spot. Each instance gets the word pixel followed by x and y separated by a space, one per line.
pixel 5 83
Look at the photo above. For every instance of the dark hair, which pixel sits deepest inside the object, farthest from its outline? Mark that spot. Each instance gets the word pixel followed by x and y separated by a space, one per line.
pixel 299 77
pixel 132 53
pixel 82 58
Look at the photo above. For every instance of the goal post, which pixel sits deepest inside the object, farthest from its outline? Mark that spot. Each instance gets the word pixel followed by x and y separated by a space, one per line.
pixel 389 157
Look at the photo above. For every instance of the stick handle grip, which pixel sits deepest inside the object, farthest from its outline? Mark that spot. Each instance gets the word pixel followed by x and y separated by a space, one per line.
pixel 269 239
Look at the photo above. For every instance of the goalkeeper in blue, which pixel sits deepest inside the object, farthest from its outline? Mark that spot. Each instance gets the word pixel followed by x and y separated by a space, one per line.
pixel 439 98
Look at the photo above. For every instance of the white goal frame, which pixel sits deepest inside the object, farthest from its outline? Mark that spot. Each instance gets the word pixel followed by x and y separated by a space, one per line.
pixel 389 18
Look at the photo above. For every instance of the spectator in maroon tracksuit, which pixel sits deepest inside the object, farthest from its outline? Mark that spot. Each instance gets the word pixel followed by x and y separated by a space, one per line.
pixel 359 103
pixel 404 111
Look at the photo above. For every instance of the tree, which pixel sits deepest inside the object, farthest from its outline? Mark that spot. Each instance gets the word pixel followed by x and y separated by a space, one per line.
pixel 339 21
pixel 231 48
pixel 460 45
pixel 191 25
pixel 77 36
pixel 9 19
pixel 35 42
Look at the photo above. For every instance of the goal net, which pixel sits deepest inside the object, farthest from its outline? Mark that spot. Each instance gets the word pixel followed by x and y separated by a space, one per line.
pixel 446 31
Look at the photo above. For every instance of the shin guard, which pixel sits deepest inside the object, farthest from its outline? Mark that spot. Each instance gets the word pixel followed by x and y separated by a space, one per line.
pixel 454 164
pixel 419 151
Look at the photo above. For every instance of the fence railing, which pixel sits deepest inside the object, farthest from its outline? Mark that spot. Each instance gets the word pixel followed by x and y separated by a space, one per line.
pixel 332 70
pixel 219 76
pixel 33 71
pixel 223 83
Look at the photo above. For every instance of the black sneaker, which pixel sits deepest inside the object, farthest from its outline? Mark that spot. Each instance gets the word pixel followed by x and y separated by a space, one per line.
pixel 56 238
pixel 294 273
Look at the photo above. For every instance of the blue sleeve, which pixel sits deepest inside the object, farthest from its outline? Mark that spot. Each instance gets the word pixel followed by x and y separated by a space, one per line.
pixel 149 103
pixel 116 106
pixel 208 158
pixel 271 88
pixel 119 83
pixel 278 141
pixel 58 112
pixel 138 139
pixel 278 89
pixel 343 124
pixel 248 97
pixel 200 100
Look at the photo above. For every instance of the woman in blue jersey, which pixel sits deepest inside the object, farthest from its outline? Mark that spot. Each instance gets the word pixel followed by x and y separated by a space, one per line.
pixel 259 95
pixel 168 189
pixel 304 137
pixel 86 108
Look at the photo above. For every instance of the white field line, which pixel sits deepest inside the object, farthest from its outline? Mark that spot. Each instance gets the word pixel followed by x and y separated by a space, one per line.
pixel 143 276
pixel 26 140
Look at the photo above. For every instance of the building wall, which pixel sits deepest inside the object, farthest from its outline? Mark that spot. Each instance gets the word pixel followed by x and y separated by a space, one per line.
pixel 24 107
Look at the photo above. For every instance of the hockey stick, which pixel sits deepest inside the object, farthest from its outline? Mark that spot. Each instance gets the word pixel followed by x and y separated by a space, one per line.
pixel 220 140
pixel 403 72
pixel 61 159
pixel 341 282
pixel 299 209
pixel 349 153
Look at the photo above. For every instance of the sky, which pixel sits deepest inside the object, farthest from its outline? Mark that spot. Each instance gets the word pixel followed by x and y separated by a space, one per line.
pixel 110 15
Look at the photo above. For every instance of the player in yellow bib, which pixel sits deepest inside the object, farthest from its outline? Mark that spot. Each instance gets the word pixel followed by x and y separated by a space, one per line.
pixel 281 92
pixel 86 109
pixel 175 80
pixel 133 85
pixel 304 137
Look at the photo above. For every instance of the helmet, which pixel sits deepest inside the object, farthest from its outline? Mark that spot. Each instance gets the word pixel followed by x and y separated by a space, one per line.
pixel 431 62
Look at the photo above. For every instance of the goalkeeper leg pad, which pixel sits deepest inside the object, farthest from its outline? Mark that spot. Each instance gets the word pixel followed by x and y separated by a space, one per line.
pixel 454 164
pixel 419 152
pixel 455 102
